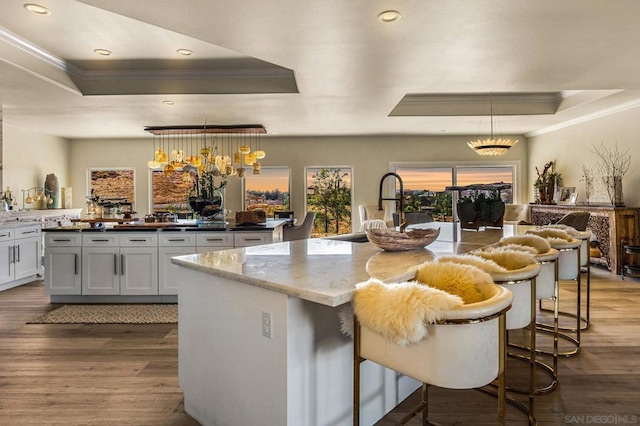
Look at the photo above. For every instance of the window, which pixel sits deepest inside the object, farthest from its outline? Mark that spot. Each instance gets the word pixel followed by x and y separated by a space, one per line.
pixel 170 193
pixel 329 195
pixel 113 186
pixel 268 191
pixel 424 185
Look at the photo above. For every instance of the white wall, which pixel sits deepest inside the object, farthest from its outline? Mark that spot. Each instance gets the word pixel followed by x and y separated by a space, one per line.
pixel 369 156
pixel 572 146
pixel 28 157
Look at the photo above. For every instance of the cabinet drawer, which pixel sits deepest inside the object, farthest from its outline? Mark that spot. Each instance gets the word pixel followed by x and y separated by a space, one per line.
pixel 58 239
pixel 6 234
pixel 100 239
pixel 246 239
pixel 27 232
pixel 147 239
pixel 214 239
pixel 177 239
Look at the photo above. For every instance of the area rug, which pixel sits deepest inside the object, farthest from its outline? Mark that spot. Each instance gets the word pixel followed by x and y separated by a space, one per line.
pixel 111 314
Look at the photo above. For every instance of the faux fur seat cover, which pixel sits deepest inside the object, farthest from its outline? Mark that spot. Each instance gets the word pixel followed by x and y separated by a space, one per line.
pixel 508 259
pixel 400 312
pixel 530 240
pixel 551 235
pixel 489 266
pixel 455 278
pixel 514 247
pixel 566 228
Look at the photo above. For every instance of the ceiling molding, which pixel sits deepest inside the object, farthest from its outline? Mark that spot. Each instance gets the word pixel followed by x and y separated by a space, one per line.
pixel 477 104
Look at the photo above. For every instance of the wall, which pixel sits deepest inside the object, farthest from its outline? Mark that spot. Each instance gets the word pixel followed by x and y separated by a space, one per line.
pixel 369 156
pixel 28 157
pixel 572 146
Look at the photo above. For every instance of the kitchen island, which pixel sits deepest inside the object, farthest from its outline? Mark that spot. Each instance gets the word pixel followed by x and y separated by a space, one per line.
pixel 130 263
pixel 260 340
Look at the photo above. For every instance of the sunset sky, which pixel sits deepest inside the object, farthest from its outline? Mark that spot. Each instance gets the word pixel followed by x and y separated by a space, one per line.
pixel 269 179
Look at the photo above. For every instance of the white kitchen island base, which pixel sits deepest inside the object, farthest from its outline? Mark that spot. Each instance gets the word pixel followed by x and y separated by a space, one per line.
pixel 303 375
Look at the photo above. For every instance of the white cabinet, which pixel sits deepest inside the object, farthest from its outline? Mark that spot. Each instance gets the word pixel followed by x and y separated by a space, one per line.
pixel 172 244
pixel 19 255
pixel 62 274
pixel 139 263
pixel 248 239
pixel 100 264
pixel 214 240
pixel 125 264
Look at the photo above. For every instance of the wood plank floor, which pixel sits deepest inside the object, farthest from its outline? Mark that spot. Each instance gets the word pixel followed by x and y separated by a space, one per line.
pixel 127 374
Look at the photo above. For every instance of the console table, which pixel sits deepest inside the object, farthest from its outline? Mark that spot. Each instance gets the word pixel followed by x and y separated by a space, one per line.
pixel 610 225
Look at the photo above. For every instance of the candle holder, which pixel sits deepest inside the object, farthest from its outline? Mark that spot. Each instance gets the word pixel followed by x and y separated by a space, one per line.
pixel 39 194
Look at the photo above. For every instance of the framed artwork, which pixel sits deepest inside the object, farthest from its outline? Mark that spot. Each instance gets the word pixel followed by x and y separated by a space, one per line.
pixel 573 198
pixel 564 194
pixel 112 184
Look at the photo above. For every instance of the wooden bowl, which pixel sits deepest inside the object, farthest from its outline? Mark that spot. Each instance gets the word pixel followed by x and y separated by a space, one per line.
pixel 412 239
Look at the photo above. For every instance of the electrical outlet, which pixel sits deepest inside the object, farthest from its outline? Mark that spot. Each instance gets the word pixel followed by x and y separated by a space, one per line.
pixel 266 324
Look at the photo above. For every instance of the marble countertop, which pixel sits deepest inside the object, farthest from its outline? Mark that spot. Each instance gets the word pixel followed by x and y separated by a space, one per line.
pixel 326 271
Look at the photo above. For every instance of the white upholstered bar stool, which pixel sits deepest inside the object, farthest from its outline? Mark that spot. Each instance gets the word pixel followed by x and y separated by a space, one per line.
pixel 546 288
pixel 463 349
pixel 521 282
pixel 569 269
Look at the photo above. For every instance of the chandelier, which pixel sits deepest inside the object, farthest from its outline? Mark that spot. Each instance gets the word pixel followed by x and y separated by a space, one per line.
pixel 492 145
pixel 221 150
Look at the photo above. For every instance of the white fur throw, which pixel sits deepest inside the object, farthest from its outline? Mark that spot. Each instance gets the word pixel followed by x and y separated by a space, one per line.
pixel 549 233
pixel 537 242
pixel 455 278
pixel 566 228
pixel 400 312
pixel 486 265
pixel 508 259
pixel 517 247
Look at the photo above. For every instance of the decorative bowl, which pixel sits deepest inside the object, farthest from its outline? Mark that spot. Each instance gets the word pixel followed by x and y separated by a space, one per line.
pixel 411 239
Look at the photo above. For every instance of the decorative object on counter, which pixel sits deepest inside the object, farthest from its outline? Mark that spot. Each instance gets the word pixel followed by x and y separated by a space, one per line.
pixel 411 239
pixel 492 145
pixel 612 168
pixel 66 195
pixel 39 194
pixel 214 148
pixel 4 211
pixel 52 189
pixel 7 196
pixel 546 184
pixel 251 217
pixel 93 208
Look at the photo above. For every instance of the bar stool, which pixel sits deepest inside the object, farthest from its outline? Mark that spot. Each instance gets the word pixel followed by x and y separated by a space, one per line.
pixel 569 269
pixel 585 264
pixel 518 274
pixel 546 288
pixel 464 347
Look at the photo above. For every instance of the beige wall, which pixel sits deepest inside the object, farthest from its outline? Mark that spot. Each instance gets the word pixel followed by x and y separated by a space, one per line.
pixel 570 147
pixel 28 157
pixel 368 156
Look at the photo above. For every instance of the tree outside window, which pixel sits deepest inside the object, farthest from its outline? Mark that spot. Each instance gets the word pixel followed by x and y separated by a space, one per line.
pixel 329 195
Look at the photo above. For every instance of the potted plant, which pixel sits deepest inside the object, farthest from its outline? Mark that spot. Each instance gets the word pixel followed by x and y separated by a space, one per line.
pixel 206 197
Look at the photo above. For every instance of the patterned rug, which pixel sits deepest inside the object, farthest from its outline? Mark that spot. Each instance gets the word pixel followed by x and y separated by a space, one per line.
pixel 111 314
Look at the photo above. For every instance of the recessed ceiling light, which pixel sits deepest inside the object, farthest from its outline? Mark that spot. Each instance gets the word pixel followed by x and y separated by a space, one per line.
pixel 167 102
pixel 36 8
pixel 389 16
pixel 185 52
pixel 103 52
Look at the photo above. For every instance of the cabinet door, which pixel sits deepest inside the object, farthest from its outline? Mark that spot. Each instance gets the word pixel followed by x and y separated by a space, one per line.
pixel 247 239
pixel 138 270
pixel 6 262
pixel 62 270
pixel 27 257
pixel 169 274
pixel 100 270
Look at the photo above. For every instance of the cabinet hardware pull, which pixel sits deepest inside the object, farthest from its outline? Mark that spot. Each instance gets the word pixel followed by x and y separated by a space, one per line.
pixel 64 240
pixel 9 251
pixel 4 235
pixel 75 263
pixel 115 264
pixel 253 239
pixel 29 232
pixel 100 241
pixel 18 254
pixel 215 239
pixel 122 264
pixel 138 241
pixel 176 239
